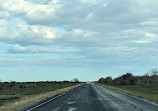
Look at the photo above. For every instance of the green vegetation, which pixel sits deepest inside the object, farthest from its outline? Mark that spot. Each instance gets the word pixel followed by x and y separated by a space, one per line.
pixel 12 91
pixel 149 92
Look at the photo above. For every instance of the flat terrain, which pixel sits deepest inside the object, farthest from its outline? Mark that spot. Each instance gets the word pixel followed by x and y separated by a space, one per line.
pixel 13 91
pixel 92 97
pixel 149 92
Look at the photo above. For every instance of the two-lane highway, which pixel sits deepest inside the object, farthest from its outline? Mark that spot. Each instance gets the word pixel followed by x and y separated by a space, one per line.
pixel 91 97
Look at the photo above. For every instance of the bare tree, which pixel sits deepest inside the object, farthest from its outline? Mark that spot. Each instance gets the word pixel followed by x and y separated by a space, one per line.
pixel 154 72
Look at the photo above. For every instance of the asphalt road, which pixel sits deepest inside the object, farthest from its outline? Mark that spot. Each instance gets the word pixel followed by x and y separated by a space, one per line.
pixel 91 97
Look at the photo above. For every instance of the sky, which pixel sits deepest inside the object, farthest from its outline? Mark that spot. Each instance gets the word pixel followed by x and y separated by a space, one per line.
pixel 47 40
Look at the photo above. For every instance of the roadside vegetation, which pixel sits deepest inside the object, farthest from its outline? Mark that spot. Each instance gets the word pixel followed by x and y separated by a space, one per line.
pixel 10 92
pixel 145 86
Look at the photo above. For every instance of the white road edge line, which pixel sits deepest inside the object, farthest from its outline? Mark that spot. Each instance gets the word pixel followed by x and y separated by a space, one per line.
pixel 46 102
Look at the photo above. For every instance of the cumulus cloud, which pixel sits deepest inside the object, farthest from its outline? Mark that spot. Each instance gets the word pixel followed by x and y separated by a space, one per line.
pixel 20 32
pixel 33 12
pixel 97 28
pixel 17 31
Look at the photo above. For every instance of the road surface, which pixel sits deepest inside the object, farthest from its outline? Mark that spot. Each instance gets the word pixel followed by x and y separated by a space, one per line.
pixel 92 97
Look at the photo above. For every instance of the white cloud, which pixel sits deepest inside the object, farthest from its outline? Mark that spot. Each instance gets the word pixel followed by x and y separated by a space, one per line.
pixel 149 34
pixel 143 41
pixel 4 14
pixel 149 23
pixel 32 11
pixel 20 32
pixel 149 38
pixel 82 33
pixel 34 49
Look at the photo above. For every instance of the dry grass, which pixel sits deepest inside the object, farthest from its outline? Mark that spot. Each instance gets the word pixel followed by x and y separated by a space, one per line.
pixel 33 99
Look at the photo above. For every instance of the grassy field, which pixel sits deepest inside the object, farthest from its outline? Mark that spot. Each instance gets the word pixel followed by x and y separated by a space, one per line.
pixel 13 91
pixel 149 92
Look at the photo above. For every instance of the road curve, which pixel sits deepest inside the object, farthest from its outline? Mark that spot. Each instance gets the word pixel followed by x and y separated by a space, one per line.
pixel 92 97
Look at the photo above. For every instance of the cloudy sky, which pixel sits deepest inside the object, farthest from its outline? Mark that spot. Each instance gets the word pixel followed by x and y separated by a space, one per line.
pixel 87 39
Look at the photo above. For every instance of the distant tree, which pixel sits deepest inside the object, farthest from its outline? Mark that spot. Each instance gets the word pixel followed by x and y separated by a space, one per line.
pixel 108 80
pixel 150 77
pixel 154 79
pixel 101 80
pixel 126 79
pixel 153 72
pixel 75 80
pixel 66 81
pixel 117 81
pixel 145 79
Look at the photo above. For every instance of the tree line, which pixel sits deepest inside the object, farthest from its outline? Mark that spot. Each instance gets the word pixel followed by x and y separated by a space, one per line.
pixel 14 84
pixel 129 79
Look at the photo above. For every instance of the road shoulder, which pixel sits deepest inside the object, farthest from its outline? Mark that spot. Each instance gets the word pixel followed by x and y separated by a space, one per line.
pixel 29 101
pixel 128 93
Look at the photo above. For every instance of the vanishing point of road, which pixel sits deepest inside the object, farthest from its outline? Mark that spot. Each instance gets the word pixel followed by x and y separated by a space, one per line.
pixel 92 97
